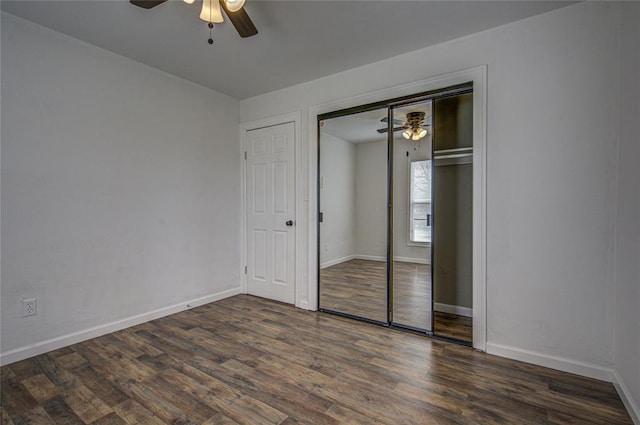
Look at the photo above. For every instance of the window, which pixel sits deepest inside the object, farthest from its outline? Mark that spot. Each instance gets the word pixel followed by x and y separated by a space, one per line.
pixel 420 202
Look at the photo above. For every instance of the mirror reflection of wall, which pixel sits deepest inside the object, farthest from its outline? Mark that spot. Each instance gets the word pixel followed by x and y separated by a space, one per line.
pixel 338 191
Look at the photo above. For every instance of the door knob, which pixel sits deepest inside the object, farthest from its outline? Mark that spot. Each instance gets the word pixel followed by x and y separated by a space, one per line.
pixel 289 223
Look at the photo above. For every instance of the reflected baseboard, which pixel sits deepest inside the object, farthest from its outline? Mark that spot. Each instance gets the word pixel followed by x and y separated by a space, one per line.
pixel 411 260
pixel 453 309
pixel 336 261
pixel 372 258
pixel 400 259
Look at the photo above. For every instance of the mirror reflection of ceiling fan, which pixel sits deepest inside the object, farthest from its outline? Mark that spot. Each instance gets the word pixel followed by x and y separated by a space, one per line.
pixel 212 14
pixel 412 129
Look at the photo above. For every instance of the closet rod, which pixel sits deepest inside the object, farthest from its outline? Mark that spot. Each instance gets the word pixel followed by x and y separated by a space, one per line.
pixel 457 150
pixel 459 155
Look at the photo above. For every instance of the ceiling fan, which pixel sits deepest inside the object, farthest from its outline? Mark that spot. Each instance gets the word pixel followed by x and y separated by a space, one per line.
pixel 412 128
pixel 212 13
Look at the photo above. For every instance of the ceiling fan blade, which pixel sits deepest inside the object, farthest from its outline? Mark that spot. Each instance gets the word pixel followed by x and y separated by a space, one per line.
pixel 395 121
pixel 146 4
pixel 384 130
pixel 241 20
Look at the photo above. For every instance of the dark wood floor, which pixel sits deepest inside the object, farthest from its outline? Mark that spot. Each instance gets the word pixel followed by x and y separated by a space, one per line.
pixel 245 360
pixel 359 287
pixel 453 326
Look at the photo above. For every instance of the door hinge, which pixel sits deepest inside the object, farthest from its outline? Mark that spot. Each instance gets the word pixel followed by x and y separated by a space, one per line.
pixel 245 155
pixel 245 269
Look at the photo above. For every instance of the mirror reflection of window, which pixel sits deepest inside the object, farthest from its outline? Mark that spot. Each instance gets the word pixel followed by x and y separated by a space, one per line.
pixel 420 202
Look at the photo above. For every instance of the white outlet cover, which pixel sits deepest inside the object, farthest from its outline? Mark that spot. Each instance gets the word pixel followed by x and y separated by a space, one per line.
pixel 29 307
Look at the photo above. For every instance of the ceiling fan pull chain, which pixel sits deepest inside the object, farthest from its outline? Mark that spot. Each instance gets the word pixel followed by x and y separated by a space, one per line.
pixel 210 33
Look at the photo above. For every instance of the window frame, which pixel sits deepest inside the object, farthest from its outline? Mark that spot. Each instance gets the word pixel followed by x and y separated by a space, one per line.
pixel 410 204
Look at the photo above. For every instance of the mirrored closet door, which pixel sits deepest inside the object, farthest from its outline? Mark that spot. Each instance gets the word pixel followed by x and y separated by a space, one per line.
pixel 452 200
pixel 353 221
pixel 395 212
pixel 412 216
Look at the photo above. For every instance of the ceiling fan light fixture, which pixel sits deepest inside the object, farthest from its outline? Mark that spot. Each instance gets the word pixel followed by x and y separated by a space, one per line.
pixel 211 11
pixel 234 5
pixel 407 134
pixel 189 1
pixel 421 132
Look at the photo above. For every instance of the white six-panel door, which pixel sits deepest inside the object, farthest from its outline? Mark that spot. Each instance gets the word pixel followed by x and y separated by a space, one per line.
pixel 270 207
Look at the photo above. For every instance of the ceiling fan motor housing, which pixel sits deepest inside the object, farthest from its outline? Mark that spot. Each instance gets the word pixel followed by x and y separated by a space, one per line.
pixel 415 118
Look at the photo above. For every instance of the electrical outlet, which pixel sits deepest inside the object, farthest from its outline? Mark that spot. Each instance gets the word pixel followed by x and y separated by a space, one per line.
pixel 29 307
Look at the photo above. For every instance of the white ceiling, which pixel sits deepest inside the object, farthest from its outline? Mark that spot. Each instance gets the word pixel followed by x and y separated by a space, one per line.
pixel 363 126
pixel 298 41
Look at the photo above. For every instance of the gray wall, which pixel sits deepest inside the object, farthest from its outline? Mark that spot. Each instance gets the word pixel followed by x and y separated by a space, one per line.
pixel 627 290
pixel 337 200
pixel 371 199
pixel 120 189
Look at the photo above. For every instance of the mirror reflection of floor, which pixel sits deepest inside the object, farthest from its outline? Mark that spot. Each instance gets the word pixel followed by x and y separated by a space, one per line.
pixel 412 295
pixel 358 287
pixel 452 326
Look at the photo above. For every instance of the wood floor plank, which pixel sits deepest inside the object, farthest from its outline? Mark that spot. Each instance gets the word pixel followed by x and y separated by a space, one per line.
pixel 110 419
pixel 180 397
pixel 298 403
pixel 160 407
pixel 446 401
pixel 104 389
pixel 16 399
pixel 344 415
pixel 246 360
pixel 58 409
pixel 133 413
pixel 129 337
pixel 40 387
pixel 57 374
pixel 85 404
pixel 4 417
pixel 220 419
pixel 22 369
pixel 71 360
pixel 36 416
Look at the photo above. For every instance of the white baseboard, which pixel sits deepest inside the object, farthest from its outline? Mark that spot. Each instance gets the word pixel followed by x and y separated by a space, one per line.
pixel 336 261
pixel 370 257
pixel 411 260
pixel 453 309
pixel 563 364
pixel 304 305
pixel 627 399
pixel 83 335
pixel 383 258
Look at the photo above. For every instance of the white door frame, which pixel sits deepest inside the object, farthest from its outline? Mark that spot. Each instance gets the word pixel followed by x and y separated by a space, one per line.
pixel 296 119
pixel 477 75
